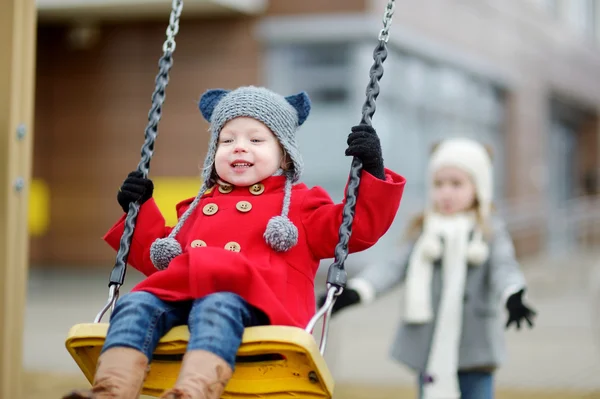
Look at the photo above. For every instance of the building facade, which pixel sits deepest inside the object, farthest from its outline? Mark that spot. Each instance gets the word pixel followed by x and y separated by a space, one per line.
pixel 519 75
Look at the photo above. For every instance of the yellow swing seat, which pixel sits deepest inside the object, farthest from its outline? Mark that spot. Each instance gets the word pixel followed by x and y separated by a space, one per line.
pixel 273 362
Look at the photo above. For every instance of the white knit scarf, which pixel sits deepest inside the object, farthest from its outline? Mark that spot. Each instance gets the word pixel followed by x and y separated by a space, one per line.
pixel 442 363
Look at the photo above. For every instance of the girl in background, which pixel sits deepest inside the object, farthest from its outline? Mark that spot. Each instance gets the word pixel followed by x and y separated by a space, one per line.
pixel 458 266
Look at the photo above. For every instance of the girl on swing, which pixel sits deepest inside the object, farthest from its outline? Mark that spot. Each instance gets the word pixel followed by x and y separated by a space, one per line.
pixel 245 250
pixel 458 267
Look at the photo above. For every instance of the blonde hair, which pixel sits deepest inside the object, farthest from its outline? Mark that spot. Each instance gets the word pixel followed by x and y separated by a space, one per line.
pixel 286 160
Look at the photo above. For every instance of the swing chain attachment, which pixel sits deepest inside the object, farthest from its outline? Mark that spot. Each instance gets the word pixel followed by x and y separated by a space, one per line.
pixel 324 312
pixel 384 34
pixel 173 28
pixel 117 275
pixel 113 295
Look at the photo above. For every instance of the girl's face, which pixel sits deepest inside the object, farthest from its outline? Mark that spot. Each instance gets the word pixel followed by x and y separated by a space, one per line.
pixel 453 190
pixel 247 152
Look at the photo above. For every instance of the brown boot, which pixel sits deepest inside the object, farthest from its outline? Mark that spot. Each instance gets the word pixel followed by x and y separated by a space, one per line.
pixel 120 375
pixel 203 375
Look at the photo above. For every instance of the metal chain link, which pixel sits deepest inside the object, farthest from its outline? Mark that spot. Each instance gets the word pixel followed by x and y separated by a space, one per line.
pixel 173 28
pixel 117 275
pixel 384 34
pixel 337 276
pixel 375 74
pixel 155 114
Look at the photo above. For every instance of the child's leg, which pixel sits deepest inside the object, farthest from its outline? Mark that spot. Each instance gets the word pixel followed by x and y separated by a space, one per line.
pixel 476 385
pixel 216 325
pixel 138 322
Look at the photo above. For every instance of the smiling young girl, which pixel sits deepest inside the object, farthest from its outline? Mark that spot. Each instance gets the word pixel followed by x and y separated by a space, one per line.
pixel 245 250
pixel 458 267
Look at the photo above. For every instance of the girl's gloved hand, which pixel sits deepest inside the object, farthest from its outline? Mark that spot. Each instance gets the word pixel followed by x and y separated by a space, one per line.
pixel 364 144
pixel 518 311
pixel 134 188
pixel 348 297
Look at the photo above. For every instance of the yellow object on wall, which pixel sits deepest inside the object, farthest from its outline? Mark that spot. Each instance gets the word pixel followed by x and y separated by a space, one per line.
pixel 169 191
pixel 38 218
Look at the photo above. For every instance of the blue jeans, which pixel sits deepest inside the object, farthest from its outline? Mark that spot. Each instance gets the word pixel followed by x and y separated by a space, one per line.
pixel 216 322
pixel 473 385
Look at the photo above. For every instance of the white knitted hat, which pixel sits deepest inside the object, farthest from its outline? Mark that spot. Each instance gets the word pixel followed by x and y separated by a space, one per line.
pixel 473 158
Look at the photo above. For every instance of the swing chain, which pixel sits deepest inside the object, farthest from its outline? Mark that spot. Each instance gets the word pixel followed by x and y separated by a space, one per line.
pixel 158 98
pixel 337 275
pixel 173 28
pixel 117 275
pixel 384 34
pixel 375 74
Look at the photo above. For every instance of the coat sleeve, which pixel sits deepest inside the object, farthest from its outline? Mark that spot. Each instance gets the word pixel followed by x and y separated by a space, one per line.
pixel 150 225
pixel 376 208
pixel 505 274
pixel 379 278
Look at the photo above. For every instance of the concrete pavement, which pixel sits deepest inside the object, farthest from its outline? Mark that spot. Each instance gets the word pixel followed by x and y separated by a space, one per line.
pixel 562 352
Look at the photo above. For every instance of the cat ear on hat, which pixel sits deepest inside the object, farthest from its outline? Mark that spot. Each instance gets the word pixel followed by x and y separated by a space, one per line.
pixel 301 103
pixel 209 101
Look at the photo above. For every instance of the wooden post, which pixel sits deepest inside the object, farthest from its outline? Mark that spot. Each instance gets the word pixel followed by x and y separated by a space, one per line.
pixel 18 20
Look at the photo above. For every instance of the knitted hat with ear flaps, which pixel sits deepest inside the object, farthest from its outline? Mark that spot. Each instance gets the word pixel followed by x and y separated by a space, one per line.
pixel 283 115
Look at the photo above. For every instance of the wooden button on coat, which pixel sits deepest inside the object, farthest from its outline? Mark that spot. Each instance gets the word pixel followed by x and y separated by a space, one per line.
pixel 243 206
pixel 210 209
pixel 257 189
pixel 198 243
pixel 233 246
pixel 225 188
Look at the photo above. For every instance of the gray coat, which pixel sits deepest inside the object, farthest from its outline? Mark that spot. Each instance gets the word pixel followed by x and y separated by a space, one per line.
pixel 482 342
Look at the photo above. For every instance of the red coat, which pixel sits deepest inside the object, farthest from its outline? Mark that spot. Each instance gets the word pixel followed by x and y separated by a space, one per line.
pixel 224 249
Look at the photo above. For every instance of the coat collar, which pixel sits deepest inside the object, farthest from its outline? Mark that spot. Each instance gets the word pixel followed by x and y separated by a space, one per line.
pixel 269 185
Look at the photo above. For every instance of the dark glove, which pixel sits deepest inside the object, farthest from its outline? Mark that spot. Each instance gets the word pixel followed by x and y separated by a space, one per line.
pixel 135 188
pixel 364 144
pixel 517 311
pixel 348 297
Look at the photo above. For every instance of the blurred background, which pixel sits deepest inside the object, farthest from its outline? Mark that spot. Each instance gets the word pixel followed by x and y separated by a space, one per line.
pixel 522 76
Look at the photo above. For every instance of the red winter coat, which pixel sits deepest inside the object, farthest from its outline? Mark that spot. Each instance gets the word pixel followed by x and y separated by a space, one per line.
pixel 224 249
